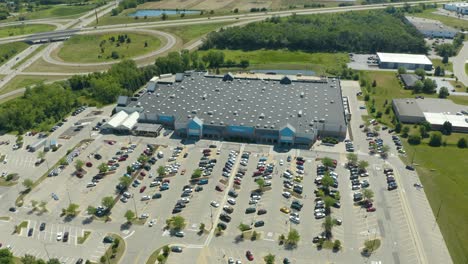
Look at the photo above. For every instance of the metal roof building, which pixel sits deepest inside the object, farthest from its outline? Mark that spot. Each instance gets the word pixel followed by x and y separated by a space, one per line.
pixel 432 110
pixel 122 121
pixel 291 110
pixel 432 28
pixel 409 80
pixel 408 61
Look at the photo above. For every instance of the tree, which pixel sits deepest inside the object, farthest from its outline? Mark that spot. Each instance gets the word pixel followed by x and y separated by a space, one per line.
pixel 374 83
pixel 243 227
pixel 462 143
pixel 129 215
pixel 125 181
pixel 329 201
pixel 429 86
pixel 114 54
pixel 71 210
pixel 107 201
pixel 437 71
pixel 398 127
pixel 368 194
pixel 54 261
pixel 163 16
pixel 79 165
pixel 261 183
pixel 337 245
pixel 166 250
pixel 91 210
pixel 269 259
pixel 176 223
pixel 26 259
pixel 41 155
pixel 385 150
pixel 103 167
pixel 327 181
pixel 63 161
pixel 418 86
pixel 443 92
pixel 352 158
pixel 201 227
pixel 420 72
pixel 445 60
pixel 328 162
pixel 244 64
pixel 363 164
pixel 197 174
pixel 436 139
pixel 28 184
pixel 401 70
pixel 293 237
pixel 415 139
pixel 328 226
pixel 405 130
pixel 447 128
pixel 161 171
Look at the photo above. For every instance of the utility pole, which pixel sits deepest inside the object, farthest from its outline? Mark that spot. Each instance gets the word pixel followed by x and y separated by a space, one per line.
pixel 69 199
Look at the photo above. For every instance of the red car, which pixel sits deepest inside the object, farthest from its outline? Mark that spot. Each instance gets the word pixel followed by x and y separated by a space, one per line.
pixel 143 173
pixel 249 255
pixel 111 142
pixel 257 173
pixel 142 189
pixel 261 169
pixel 89 164
pixel 300 162
pixel 371 209
pixel 237 182
pixel 166 181
pixel 122 159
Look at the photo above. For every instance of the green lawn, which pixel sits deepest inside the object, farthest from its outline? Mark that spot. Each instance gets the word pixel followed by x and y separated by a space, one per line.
pixel 287 60
pixel 22 81
pixel 59 11
pixel 448 21
pixel 24 29
pixel 446 66
pixel 189 33
pixel 9 50
pixel 442 172
pixel 86 48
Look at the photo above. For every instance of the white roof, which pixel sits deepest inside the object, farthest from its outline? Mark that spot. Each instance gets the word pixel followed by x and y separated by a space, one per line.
pixel 130 121
pixel 440 118
pixel 404 58
pixel 116 120
pixel 122 120
pixel 461 4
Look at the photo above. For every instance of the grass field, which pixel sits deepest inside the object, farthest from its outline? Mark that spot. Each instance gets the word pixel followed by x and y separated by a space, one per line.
pixel 189 33
pixel 287 60
pixel 9 50
pixel 446 66
pixel 59 11
pixel 443 175
pixel 86 48
pixel 22 81
pixel 448 21
pixel 24 29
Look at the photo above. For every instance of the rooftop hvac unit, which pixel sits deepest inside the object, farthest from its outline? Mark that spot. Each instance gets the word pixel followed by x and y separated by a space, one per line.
pixel 302 94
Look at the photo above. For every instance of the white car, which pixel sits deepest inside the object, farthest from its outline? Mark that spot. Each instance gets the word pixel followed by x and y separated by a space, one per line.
pixel 281 162
pixel 253 201
pixel 123 199
pixel 295 214
pixel 185 200
pixel 144 216
pixel 355 187
pixel 286 194
pixel 231 201
pixel 145 198
pixel 295 219
pixel 319 210
pixel 152 222
pixel 319 215
pixel 214 204
pixel 59 236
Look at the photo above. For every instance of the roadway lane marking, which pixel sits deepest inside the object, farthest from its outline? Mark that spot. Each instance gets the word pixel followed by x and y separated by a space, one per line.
pixel 129 235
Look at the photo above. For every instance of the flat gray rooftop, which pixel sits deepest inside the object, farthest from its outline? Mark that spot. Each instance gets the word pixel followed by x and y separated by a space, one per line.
pixel 416 107
pixel 248 102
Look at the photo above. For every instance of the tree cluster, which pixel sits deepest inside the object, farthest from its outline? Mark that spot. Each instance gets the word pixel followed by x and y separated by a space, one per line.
pixel 363 32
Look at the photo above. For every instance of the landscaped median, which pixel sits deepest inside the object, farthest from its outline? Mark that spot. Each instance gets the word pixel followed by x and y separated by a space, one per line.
pixel 116 251
pixel 82 239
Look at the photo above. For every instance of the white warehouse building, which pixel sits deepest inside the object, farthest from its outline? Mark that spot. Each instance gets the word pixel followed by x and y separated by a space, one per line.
pixel 459 7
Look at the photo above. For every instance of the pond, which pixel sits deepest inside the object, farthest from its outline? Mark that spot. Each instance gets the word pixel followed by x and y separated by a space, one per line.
pixel 159 12
pixel 287 72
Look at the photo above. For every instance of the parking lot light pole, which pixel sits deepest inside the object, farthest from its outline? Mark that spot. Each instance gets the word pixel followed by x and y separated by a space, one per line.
pixel 47 252
pixel 211 215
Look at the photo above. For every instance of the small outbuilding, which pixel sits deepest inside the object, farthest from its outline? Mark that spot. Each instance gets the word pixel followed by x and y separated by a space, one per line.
pixel 407 61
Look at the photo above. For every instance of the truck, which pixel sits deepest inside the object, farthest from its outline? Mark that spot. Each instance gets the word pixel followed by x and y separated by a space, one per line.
pixel 160 155
pixel 37 145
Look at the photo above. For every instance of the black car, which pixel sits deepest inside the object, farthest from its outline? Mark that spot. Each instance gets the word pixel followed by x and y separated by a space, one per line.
pixel 233 193
pixel 259 224
pixel 186 155
pixel 12 209
pixel 198 188
pixel 42 226
pixel 228 209
pixel 65 237
pixel 337 205
pixel 250 210
pixel 156 196
pixel 225 218
pixel 176 210
pixel 409 167
pixel 176 249
pixel 79 261
pixel 97 156
pixel 30 232
pixel 261 211
pixel 222 225
pixel 180 205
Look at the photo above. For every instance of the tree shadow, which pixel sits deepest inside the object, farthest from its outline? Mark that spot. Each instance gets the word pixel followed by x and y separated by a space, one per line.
pixel 68 218
pixel 238 239
pixel 125 226
pixel 87 221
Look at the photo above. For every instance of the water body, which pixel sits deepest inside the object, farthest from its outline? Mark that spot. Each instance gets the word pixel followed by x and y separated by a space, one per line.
pixel 287 72
pixel 159 12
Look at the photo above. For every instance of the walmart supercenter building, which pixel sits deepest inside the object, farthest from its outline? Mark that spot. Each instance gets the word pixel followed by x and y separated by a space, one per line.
pixel 264 108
